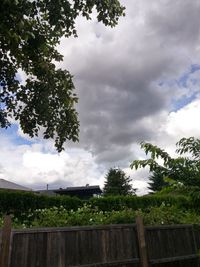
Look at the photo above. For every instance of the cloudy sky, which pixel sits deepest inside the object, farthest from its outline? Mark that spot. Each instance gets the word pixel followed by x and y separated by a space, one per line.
pixel 137 82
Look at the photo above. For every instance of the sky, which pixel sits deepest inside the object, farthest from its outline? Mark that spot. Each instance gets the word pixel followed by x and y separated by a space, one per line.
pixel 139 81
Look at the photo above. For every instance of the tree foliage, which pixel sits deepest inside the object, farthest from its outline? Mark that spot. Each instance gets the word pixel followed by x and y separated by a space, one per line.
pixel 117 183
pixel 157 181
pixel 185 168
pixel 30 31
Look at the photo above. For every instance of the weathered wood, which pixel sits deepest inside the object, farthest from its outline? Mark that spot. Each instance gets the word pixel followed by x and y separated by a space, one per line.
pixel 112 263
pixel 168 242
pixel 5 242
pixel 79 246
pixel 142 242
pixel 105 245
pixel 172 259
pixel 74 228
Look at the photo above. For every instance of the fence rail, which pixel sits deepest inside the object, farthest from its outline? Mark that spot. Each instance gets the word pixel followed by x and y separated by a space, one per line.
pixel 127 245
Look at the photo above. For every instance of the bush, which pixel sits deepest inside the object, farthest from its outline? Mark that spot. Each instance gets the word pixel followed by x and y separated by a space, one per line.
pixel 88 215
pixel 66 211
pixel 163 215
pixel 59 217
pixel 134 202
pixel 18 203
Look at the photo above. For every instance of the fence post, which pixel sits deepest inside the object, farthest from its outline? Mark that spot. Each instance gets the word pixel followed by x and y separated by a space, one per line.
pixel 141 242
pixel 5 242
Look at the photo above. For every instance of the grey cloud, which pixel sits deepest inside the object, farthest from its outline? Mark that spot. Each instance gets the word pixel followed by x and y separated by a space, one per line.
pixel 178 23
pixel 59 183
pixel 1 169
pixel 117 74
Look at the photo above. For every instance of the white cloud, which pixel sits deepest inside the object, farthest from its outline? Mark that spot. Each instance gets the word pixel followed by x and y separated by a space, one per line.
pixel 43 162
pixel 29 165
pixel 184 122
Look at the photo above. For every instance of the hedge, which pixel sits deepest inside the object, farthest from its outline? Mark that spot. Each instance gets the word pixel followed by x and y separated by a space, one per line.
pixel 18 202
pixel 134 202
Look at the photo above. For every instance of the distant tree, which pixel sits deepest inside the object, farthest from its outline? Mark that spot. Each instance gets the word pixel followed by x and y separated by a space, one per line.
pixel 183 169
pixel 157 181
pixel 30 32
pixel 117 183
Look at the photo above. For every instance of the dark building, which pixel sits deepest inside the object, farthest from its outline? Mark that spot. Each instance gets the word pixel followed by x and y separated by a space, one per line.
pixel 83 192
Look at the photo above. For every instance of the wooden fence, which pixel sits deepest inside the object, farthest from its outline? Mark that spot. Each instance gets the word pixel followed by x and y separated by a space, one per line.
pixel 127 245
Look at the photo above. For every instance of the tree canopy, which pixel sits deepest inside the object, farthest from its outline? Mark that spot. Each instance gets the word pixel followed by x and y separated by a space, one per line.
pixel 117 183
pixel 157 181
pixel 185 168
pixel 30 31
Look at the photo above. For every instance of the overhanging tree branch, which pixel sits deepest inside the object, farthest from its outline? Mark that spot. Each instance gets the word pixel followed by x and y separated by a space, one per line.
pixel 29 34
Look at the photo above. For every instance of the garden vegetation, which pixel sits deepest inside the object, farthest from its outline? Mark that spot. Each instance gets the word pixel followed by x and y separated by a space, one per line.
pixel 175 200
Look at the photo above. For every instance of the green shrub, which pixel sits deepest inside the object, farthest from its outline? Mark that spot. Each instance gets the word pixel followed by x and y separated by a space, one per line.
pixel 20 203
pixel 86 215
pixel 123 216
pixel 67 211
pixel 163 215
pixel 195 199
pixel 58 217
pixel 134 202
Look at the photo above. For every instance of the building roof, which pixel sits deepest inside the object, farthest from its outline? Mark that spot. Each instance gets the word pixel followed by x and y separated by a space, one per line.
pixel 4 184
pixel 79 191
pixel 80 188
pixel 84 192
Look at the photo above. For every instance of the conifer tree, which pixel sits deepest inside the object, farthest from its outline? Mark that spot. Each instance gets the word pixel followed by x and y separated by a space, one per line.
pixel 117 183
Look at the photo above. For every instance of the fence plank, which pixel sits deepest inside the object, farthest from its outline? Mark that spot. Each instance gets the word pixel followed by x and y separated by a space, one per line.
pixel 142 242
pixel 172 259
pixel 5 242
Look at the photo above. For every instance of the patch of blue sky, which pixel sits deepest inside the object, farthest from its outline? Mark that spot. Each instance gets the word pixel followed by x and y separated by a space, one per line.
pixel 184 101
pixel 195 67
pixel 184 81
pixel 12 133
